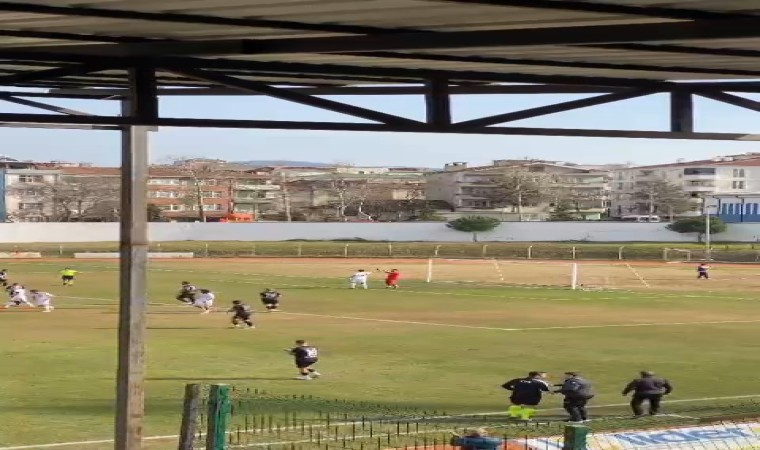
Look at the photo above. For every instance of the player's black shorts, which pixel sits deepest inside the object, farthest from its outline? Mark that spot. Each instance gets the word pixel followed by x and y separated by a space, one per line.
pixel 242 317
pixel 305 363
pixel 270 302
pixel 186 297
pixel 67 278
pixel 525 400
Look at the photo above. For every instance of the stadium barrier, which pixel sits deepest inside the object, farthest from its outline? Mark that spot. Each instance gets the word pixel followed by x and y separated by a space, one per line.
pixel 328 249
pixel 222 417
pixel 20 255
pixel 151 255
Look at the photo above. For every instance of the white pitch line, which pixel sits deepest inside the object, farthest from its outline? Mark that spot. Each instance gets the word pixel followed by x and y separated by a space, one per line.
pixel 475 327
pixel 572 327
pixel 638 275
pixel 492 413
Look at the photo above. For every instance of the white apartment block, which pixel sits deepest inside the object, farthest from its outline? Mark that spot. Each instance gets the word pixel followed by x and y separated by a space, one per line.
pixel 26 194
pixel 470 190
pixel 736 174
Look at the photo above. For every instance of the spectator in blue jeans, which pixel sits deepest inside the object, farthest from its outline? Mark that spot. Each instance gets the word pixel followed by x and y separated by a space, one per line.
pixel 476 439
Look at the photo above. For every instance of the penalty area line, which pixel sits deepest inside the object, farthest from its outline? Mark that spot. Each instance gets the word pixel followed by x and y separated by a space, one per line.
pixel 475 327
pixel 492 413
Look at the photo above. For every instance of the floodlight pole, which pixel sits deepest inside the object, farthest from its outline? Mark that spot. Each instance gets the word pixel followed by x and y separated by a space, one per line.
pixel 130 379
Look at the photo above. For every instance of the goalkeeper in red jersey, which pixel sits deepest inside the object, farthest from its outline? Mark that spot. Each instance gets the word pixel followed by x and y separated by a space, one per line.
pixel 391 278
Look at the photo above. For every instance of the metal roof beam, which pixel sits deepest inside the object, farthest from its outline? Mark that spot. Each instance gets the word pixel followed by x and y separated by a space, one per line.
pixel 551 109
pixel 488 89
pixel 608 8
pixel 78 11
pixel 58 72
pixel 342 126
pixel 42 106
pixel 603 34
pixel 686 49
pixel 735 100
pixel 555 63
pixel 295 97
pixel 420 75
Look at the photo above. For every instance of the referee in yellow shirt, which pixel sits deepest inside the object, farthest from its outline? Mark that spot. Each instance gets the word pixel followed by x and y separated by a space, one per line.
pixel 67 276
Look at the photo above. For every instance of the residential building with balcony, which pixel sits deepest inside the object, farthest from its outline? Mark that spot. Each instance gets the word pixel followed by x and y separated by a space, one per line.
pixel 701 179
pixel 474 190
pixel 26 194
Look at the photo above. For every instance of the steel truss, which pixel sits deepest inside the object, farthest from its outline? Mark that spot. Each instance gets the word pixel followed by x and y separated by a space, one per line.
pixel 436 93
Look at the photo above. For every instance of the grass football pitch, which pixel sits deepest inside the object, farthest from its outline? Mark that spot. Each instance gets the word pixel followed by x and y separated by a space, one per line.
pixel 442 346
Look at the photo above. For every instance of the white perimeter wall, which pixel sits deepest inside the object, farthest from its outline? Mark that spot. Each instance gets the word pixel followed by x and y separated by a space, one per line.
pixel 427 231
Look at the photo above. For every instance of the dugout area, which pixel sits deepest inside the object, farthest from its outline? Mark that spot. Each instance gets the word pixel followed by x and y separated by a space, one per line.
pixel 313 53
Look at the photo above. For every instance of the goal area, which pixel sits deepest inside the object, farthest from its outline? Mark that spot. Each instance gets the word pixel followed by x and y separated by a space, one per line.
pixel 556 274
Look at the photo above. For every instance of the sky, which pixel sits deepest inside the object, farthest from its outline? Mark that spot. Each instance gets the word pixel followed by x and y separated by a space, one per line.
pixel 390 149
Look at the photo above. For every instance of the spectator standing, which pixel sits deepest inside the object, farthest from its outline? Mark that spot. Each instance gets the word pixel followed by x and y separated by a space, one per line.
pixel 526 394
pixel 647 388
pixel 577 391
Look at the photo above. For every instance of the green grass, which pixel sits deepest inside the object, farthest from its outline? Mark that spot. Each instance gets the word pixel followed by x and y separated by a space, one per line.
pixel 739 252
pixel 57 378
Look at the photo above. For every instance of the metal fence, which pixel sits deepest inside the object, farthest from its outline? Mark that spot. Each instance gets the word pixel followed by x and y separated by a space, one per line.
pixel 524 251
pixel 222 417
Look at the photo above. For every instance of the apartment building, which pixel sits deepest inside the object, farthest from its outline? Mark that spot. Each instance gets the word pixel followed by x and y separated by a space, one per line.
pixel 176 192
pixel 474 190
pixel 26 194
pixel 701 179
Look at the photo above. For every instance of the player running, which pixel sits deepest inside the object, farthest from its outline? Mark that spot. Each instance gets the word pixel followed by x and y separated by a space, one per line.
pixel 271 299
pixel 702 271
pixel 306 356
pixel 187 293
pixel 68 275
pixel 526 394
pixel 205 301
pixel 391 278
pixel 18 296
pixel 243 314
pixel 43 300
pixel 4 278
pixel 359 279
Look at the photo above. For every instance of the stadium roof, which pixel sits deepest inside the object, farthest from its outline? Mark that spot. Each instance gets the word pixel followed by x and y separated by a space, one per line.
pixel 622 49
pixel 339 42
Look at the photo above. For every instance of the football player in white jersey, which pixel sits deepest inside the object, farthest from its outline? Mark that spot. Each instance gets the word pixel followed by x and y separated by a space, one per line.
pixel 43 300
pixel 359 279
pixel 18 296
pixel 205 300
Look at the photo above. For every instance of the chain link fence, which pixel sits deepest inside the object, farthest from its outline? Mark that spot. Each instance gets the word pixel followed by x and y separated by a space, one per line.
pixel 499 250
pixel 226 417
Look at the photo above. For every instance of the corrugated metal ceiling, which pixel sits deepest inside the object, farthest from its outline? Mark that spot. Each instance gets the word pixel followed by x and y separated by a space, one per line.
pixel 33 30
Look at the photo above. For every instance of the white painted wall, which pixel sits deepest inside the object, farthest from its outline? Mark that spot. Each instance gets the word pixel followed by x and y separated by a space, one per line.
pixel 426 231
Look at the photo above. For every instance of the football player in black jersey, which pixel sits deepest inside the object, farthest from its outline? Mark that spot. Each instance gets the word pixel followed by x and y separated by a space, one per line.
pixel 242 314
pixel 187 293
pixel 271 300
pixel 305 356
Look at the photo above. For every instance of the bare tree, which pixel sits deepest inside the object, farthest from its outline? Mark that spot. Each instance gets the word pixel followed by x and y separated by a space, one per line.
pixel 347 193
pixel 77 199
pixel 517 189
pixel 200 174
pixel 662 196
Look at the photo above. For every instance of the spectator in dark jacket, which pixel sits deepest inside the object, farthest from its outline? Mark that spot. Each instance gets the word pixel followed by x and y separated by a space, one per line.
pixel 476 439
pixel 526 394
pixel 647 388
pixel 577 392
